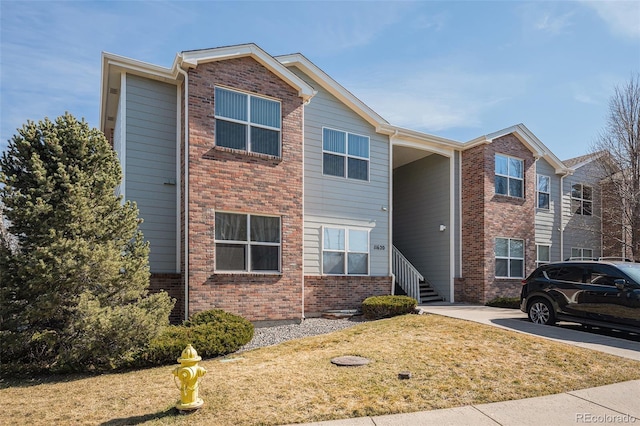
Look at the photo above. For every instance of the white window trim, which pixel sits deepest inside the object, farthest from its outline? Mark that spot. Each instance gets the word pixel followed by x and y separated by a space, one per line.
pixel 346 155
pixel 521 179
pixel 542 262
pixel 508 258
pixel 542 192
pixel 581 199
pixel 248 243
pixel 582 256
pixel 346 250
pixel 248 122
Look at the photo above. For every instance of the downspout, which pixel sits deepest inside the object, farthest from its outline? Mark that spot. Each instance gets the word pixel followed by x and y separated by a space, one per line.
pixel 562 215
pixel 390 212
pixel 304 104
pixel 186 191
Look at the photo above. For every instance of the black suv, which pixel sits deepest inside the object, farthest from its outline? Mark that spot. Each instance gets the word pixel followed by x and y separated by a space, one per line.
pixel 597 293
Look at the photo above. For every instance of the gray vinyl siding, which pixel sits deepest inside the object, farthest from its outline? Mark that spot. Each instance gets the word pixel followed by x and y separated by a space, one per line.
pixel 421 192
pixel 151 165
pixel 330 200
pixel 548 221
pixel 582 231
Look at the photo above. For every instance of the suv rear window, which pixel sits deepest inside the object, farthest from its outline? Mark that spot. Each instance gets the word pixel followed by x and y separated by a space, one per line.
pixel 565 273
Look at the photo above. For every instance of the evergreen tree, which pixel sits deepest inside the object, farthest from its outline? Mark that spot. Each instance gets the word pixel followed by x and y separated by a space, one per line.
pixel 73 285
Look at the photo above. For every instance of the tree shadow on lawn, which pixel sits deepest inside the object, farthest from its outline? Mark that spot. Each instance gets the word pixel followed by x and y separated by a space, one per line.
pixel 135 420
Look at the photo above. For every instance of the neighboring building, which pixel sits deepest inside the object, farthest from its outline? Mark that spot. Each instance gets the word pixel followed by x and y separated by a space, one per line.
pixel 268 190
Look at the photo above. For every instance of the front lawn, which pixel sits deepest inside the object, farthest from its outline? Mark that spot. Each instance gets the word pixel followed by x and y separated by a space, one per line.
pixel 452 363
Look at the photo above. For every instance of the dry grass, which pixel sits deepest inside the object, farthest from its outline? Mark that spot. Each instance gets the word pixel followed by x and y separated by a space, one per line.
pixel 453 363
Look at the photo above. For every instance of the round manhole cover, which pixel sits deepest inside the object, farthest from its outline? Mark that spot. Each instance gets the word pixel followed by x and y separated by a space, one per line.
pixel 349 361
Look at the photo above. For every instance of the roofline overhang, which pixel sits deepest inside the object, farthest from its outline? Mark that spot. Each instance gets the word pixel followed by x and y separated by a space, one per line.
pixel 530 140
pixel 193 58
pixel 336 89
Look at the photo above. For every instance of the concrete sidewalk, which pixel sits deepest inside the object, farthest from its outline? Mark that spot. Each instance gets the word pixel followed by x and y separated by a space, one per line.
pixel 608 405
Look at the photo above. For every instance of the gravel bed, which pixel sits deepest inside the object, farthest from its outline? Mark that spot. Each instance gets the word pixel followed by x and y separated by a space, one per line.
pixel 267 336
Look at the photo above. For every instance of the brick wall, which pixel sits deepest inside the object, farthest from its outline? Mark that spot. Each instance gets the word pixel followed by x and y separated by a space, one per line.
pixel 323 293
pixel 486 215
pixel 172 284
pixel 226 180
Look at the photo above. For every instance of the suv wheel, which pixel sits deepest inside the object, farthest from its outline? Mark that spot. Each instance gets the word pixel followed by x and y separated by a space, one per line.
pixel 541 312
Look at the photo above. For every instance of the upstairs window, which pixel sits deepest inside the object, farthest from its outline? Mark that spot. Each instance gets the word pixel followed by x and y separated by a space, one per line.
pixel 543 254
pixel 247 243
pixel 345 251
pixel 509 176
pixel 509 258
pixel 247 122
pixel 579 253
pixel 581 199
pixel 345 154
pixel 543 192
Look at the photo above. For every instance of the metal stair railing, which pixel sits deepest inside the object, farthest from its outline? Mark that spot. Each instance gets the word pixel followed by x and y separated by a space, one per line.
pixel 407 276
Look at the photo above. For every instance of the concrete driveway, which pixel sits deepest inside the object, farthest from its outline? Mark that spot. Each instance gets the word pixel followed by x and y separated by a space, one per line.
pixel 516 320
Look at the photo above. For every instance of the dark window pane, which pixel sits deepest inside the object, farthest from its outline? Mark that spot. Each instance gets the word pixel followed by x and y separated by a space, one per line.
pixel 587 193
pixel 231 227
pixel 358 169
pixel 501 185
pixel 515 188
pixel 231 257
pixel 265 258
pixel 502 268
pixel 358 263
pixel 543 201
pixel 576 191
pixel 333 263
pixel 265 229
pixel 517 268
pixel 265 141
pixel 231 135
pixel 333 165
pixel 576 206
pixel 587 208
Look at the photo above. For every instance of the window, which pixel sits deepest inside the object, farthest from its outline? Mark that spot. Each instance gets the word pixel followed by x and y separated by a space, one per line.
pixel 509 178
pixel 509 258
pixel 345 154
pixel 581 253
pixel 246 122
pixel 543 254
pixel 543 192
pixel 581 199
pixel 345 251
pixel 247 243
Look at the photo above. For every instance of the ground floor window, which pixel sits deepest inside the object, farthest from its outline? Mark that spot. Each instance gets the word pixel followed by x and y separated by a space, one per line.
pixel 247 243
pixel 579 253
pixel 509 254
pixel 543 254
pixel 345 251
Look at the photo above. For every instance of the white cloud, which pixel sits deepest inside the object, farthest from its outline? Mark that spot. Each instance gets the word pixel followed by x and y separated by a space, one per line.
pixel 553 23
pixel 622 17
pixel 436 101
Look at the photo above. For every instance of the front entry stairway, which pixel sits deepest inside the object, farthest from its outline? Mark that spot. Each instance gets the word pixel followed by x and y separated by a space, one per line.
pixel 410 281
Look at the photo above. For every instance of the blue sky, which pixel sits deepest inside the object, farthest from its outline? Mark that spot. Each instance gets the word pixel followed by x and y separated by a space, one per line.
pixel 453 69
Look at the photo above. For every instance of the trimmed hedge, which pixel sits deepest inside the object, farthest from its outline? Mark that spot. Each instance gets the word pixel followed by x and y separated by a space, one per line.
pixel 376 307
pixel 212 333
pixel 504 302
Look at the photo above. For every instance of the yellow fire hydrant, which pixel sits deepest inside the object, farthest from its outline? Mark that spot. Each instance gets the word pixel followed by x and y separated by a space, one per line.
pixel 189 374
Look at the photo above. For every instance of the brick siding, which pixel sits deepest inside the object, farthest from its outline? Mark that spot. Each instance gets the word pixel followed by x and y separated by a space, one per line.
pixel 323 293
pixel 486 215
pixel 173 285
pixel 227 180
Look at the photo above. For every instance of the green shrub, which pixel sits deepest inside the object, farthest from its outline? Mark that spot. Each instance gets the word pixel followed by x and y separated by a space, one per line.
pixel 377 307
pixel 212 333
pixel 504 302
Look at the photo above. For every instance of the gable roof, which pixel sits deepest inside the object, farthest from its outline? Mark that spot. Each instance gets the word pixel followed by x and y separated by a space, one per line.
pixel 530 140
pixel 112 65
pixel 583 160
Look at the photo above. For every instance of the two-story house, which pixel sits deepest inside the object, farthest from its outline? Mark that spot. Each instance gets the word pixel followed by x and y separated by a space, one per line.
pixel 267 189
